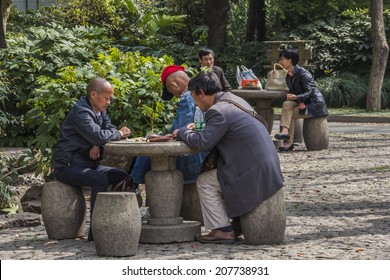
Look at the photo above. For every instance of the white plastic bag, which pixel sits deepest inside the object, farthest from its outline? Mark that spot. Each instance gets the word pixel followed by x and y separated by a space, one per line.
pixel 246 79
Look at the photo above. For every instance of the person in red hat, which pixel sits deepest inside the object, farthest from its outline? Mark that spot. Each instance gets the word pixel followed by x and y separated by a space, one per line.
pixel 175 82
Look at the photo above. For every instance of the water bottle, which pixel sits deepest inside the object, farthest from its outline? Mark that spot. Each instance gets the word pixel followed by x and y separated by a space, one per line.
pixel 198 119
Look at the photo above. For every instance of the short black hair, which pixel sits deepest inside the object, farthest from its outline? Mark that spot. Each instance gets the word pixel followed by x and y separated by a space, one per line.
pixel 290 54
pixel 205 51
pixel 206 81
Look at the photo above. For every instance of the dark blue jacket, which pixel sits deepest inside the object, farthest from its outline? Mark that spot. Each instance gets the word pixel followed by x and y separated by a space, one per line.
pixel 302 85
pixel 82 129
pixel 189 165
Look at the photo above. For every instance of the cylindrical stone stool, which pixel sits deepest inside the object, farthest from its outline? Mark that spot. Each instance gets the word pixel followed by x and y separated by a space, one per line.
pixel 190 204
pixel 298 131
pixel 63 210
pixel 316 133
pixel 266 224
pixel 116 224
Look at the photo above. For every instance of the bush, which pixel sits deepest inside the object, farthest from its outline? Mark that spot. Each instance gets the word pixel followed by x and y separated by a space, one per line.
pixel 385 97
pixel 342 43
pixel 343 90
pixel 40 51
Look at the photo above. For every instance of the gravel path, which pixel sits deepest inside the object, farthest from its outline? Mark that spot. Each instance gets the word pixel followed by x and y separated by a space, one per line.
pixel 338 207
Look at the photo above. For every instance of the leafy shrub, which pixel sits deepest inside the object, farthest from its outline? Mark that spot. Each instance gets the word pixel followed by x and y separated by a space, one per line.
pixel 343 90
pixel 342 43
pixel 385 100
pixel 8 167
pixel 137 103
pixel 38 51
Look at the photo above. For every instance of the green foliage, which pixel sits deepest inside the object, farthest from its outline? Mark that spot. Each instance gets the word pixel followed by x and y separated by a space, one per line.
pixel 385 96
pixel 39 51
pixel 137 103
pixel 7 175
pixel 350 90
pixel 293 13
pixel 343 90
pixel 342 43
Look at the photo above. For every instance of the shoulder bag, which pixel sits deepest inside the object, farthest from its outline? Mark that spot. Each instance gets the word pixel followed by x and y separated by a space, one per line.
pixel 276 79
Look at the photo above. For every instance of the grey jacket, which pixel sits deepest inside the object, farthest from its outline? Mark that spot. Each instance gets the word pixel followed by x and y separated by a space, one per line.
pixel 302 85
pixel 248 167
pixel 81 130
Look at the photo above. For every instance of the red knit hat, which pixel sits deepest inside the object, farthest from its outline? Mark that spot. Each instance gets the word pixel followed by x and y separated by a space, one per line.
pixel 166 95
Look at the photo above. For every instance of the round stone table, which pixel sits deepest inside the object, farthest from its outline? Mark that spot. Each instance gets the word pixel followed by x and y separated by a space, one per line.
pixel 263 101
pixel 164 187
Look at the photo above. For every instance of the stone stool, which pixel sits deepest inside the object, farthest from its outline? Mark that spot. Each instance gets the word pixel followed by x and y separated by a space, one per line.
pixel 266 223
pixel 116 224
pixel 190 204
pixel 63 210
pixel 298 131
pixel 316 133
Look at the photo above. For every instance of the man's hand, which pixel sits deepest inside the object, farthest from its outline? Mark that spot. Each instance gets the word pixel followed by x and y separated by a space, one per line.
pixel 125 132
pixel 174 133
pixel 191 126
pixel 94 152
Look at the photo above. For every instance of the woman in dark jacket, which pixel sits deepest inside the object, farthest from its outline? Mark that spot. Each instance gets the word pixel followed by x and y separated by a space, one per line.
pixel 304 100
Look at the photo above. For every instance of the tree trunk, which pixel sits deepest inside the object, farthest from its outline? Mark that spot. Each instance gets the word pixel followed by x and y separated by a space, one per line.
pixel 251 23
pixel 217 18
pixel 379 57
pixel 260 21
pixel 5 7
pixel 255 27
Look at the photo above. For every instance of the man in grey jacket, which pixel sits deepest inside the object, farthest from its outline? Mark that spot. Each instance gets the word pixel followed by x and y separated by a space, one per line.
pixel 248 170
pixel 79 149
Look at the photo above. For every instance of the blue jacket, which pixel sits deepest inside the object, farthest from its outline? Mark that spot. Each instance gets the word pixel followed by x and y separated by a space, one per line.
pixel 82 129
pixel 189 165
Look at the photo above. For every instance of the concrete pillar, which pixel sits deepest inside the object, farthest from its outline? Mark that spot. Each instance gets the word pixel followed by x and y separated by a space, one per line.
pixel 190 205
pixel 298 131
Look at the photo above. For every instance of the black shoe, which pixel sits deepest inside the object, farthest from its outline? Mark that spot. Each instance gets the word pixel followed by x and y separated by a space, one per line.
pixel 286 149
pixel 282 136
pixel 90 235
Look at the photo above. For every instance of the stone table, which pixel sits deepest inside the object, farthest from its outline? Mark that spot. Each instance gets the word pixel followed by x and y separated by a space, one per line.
pixel 164 187
pixel 263 101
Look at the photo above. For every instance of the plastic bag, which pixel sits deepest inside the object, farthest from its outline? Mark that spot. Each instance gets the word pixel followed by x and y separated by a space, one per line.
pixel 246 79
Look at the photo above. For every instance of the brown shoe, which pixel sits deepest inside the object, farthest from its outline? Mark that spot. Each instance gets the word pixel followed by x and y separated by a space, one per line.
pixel 217 236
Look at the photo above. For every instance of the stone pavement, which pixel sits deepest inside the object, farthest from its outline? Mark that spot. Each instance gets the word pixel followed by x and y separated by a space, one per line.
pixel 337 201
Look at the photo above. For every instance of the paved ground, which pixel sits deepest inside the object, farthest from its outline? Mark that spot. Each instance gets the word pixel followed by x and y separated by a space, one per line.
pixel 337 200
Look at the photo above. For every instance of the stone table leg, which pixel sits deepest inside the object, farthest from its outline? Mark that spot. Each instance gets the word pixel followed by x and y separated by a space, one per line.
pixel 264 109
pixel 164 188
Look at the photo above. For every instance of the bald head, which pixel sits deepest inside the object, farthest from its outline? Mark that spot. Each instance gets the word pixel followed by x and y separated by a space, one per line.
pixel 177 82
pixel 98 85
pixel 100 93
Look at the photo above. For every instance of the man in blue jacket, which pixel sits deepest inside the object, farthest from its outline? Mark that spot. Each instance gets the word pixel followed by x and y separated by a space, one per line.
pixel 79 149
pixel 175 82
